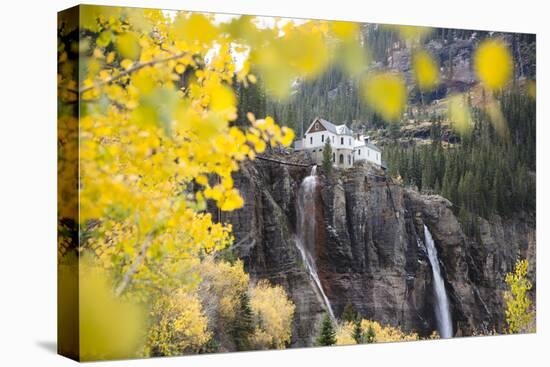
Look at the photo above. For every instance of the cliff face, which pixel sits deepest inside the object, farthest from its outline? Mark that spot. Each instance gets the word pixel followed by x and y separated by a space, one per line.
pixel 369 250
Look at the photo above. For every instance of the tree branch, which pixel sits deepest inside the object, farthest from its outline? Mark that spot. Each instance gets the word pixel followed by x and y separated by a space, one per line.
pixel 126 72
pixel 133 268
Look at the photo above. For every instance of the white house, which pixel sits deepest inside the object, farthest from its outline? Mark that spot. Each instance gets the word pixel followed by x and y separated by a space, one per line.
pixel 347 147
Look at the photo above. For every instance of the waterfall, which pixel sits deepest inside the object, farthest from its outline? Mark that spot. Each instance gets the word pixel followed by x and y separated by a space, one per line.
pixel 442 313
pixel 306 229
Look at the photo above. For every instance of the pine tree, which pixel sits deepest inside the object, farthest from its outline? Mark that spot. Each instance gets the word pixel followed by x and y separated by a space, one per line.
pixel 370 335
pixel 358 331
pixel 243 324
pixel 327 335
pixel 327 158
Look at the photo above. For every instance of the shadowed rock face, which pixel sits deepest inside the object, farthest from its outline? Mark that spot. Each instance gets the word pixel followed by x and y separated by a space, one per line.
pixel 367 251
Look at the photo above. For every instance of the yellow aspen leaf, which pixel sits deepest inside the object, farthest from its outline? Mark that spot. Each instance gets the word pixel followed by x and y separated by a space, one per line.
pixel 104 38
pixel 352 57
pixel 110 57
pixel 493 63
pixel 386 93
pixel 195 27
pixel 345 30
pixel 222 98
pixel 232 201
pixel 288 136
pixel 126 64
pixel 128 45
pixel 109 326
pixel 426 70
pixel 180 68
pixel 202 180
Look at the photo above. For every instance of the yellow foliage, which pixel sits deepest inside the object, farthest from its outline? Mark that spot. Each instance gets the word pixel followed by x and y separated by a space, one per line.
pixel 145 141
pixel 179 325
pixel 493 63
pixel 386 93
pixel 128 45
pixel 220 289
pixel 345 30
pixel 519 313
pixel 532 89
pixel 426 70
pixel 382 334
pixel 194 27
pixel 344 334
pixel 387 333
pixel 110 327
pixel 273 312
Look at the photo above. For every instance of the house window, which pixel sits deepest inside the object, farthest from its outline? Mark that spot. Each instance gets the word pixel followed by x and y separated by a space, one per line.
pixel 334 157
pixel 342 141
pixel 349 159
pixel 333 139
pixel 322 138
pixel 311 140
pixel 359 152
pixel 350 141
pixel 317 126
pixel 341 159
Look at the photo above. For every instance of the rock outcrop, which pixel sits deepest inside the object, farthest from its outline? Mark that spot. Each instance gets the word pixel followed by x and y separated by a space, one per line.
pixel 370 251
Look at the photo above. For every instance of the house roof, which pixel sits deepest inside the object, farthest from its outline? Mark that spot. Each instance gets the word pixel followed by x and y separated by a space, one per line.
pixel 362 143
pixel 333 128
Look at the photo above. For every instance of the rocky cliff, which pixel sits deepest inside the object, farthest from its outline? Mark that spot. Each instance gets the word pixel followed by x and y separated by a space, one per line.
pixel 369 250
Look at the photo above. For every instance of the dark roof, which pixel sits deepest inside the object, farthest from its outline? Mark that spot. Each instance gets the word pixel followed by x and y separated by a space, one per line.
pixel 333 128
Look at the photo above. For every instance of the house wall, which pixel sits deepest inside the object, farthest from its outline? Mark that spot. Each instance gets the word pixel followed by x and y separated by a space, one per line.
pixel 319 138
pixel 347 157
pixel 365 153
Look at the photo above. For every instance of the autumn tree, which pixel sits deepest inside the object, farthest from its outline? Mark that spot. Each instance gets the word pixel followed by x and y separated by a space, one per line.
pixel 222 291
pixel 519 313
pixel 179 325
pixel 273 313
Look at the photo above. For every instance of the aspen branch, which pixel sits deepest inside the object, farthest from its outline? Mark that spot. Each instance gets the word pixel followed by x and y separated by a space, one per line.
pixel 126 72
pixel 133 268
